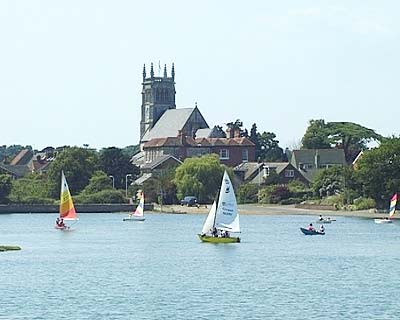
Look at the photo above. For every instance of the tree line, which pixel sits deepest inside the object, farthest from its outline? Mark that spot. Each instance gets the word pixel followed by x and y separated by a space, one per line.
pixel 91 174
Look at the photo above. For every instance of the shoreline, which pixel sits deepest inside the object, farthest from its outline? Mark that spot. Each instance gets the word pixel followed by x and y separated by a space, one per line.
pixel 270 210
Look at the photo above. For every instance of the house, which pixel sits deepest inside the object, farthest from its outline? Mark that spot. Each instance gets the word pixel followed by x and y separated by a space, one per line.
pixel 231 151
pixel 26 162
pixel 257 173
pixel 16 171
pixel 311 161
pixel 152 169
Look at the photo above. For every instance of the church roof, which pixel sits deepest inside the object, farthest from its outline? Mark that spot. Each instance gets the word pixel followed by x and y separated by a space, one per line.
pixel 203 133
pixel 169 124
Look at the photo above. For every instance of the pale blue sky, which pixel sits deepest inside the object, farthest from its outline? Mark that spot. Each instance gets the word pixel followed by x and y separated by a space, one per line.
pixel 71 70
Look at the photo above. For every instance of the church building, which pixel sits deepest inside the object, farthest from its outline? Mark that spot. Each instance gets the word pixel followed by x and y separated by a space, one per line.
pixel 166 131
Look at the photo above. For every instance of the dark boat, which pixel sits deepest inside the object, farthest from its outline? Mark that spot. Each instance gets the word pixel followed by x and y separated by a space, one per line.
pixel 311 232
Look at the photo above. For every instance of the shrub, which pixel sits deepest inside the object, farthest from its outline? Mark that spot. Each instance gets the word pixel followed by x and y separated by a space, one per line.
pixel 364 203
pixel 274 194
pixel 105 196
pixel 248 193
pixel 36 200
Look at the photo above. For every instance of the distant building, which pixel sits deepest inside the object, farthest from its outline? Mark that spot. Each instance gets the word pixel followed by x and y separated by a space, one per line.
pixel 26 162
pixel 257 173
pixel 311 161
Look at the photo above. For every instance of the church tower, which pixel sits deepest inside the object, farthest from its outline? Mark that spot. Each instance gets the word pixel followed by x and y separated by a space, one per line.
pixel 158 95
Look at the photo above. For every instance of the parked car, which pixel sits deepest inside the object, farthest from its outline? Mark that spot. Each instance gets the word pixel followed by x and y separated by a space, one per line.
pixel 189 201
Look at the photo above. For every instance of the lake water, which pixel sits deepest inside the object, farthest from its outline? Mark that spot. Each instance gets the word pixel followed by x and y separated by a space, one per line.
pixel 158 269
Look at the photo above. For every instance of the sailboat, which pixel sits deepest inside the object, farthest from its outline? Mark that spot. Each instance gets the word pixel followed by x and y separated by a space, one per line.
pixel 67 208
pixel 392 210
pixel 223 217
pixel 138 215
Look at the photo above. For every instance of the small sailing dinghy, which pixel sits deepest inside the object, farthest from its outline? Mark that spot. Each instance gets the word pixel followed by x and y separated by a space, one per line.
pixel 223 217
pixel 67 208
pixel 138 215
pixel 392 210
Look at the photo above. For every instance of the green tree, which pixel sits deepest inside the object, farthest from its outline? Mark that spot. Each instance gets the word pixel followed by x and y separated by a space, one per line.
pixel 5 187
pixel 316 136
pixel 200 177
pixel 114 162
pixel 130 151
pixel 98 182
pixel 30 190
pixel 350 137
pixel 329 181
pixel 248 193
pixel 78 164
pixel 269 147
pixel 379 171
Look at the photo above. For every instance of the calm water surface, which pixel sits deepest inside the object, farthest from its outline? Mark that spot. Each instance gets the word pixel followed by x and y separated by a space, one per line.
pixel 158 269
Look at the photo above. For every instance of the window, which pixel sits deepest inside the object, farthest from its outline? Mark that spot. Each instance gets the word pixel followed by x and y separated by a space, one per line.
pixel 245 155
pixel 224 154
pixel 289 173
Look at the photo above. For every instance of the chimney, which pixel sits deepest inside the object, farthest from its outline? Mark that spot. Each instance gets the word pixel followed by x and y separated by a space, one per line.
pixel 229 133
pixel 181 137
pixel 236 133
pixel 317 159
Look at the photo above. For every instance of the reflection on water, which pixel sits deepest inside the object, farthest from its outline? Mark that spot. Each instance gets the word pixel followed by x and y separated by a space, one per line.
pixel 158 269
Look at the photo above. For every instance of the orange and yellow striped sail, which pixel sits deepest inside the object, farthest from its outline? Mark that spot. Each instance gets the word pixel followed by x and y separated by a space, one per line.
pixel 392 208
pixel 67 209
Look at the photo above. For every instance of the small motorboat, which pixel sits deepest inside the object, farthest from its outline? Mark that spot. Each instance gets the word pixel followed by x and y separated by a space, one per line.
pixel 311 232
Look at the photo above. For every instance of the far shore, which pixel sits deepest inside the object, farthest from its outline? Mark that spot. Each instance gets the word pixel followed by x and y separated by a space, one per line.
pixel 270 210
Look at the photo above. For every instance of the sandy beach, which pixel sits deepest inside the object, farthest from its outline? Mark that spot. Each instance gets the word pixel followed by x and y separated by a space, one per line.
pixel 258 209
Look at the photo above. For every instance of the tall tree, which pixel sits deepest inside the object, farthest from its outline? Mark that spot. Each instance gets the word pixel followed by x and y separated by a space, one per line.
pixel 316 136
pixel 379 171
pixel 254 137
pixel 78 164
pixel 200 177
pixel 269 147
pixel 5 187
pixel 350 137
pixel 115 163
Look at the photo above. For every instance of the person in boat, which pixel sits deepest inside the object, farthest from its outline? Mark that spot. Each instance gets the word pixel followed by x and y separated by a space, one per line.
pixel 322 228
pixel 320 218
pixel 215 232
pixel 311 227
pixel 62 224
pixel 58 222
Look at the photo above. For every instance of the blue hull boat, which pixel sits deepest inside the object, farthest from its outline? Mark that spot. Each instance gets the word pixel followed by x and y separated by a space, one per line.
pixel 311 232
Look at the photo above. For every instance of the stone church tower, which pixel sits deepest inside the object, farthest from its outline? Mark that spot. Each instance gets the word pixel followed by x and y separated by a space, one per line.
pixel 158 95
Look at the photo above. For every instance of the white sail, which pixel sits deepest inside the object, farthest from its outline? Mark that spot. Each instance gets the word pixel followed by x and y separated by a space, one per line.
pixel 209 223
pixel 227 216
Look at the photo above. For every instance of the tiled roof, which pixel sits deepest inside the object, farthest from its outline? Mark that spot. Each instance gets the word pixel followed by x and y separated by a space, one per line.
pixel 253 171
pixel 169 124
pixel 22 158
pixel 198 142
pixel 326 156
pixel 203 133
pixel 161 159
pixel 168 142
pixel 144 177
pixel 242 141
pixel 18 171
